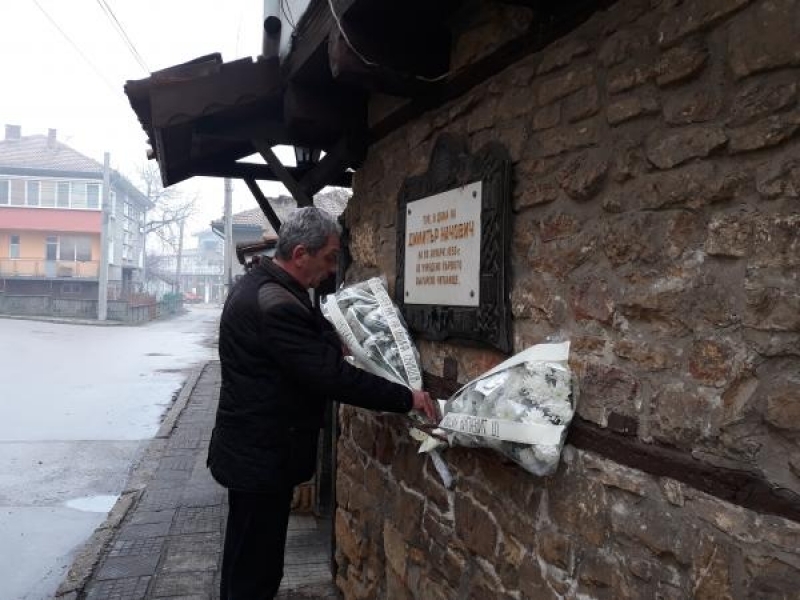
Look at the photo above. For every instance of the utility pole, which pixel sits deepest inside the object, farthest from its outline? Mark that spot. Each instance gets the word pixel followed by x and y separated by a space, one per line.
pixel 144 250
pixel 228 234
pixel 102 275
pixel 181 223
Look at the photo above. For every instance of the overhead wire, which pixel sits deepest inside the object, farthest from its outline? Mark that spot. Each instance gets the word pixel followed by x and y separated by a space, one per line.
pixel 115 23
pixel 75 46
pixel 286 9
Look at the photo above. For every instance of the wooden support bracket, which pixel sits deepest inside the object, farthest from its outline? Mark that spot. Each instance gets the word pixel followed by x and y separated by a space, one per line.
pixel 263 202
pixel 297 192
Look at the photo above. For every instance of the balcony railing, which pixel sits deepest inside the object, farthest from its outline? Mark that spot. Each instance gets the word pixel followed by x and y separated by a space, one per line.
pixel 50 269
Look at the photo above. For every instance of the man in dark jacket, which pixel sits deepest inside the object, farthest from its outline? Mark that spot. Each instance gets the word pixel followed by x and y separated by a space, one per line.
pixel 281 364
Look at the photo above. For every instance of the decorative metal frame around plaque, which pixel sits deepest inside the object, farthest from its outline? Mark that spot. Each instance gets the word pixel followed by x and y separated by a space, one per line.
pixel 452 166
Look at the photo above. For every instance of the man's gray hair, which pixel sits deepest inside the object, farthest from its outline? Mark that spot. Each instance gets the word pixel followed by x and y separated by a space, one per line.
pixel 308 226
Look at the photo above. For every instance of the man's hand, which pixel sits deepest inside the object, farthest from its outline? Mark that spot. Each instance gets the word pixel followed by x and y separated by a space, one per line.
pixel 427 406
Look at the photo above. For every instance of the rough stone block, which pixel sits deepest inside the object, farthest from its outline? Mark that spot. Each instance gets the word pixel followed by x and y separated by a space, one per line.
pixel 582 104
pixel 562 54
pixel 667 150
pixel 516 102
pixel 711 570
pixel 766 133
pixel 762 96
pixel 658 528
pixel 406 511
pixel 546 117
pixel 766 36
pixel 558 225
pixel 692 16
pixel 596 569
pixel 348 539
pixel 782 408
pixel 533 193
pixel 475 527
pixel 395 549
pixel 592 301
pixel 772 299
pixel 777 240
pixel 555 548
pixel 648 356
pixel 483 115
pixel 564 255
pixel 684 107
pixel 680 415
pixel 681 63
pixel 563 139
pixel 711 362
pixel 629 75
pixel 780 177
pixel 631 106
pixel 606 388
pixel 531 582
pixel 583 174
pixel 587 521
pixel 623 44
pixel 729 236
pixel 537 297
pixel 563 84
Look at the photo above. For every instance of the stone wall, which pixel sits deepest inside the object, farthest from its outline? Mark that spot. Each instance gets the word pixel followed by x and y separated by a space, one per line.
pixel 657 225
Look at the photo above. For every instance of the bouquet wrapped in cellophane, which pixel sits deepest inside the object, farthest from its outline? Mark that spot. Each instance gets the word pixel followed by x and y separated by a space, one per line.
pixel 372 328
pixel 521 408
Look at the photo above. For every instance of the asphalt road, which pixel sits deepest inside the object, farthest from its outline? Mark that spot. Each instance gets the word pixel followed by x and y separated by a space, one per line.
pixel 78 404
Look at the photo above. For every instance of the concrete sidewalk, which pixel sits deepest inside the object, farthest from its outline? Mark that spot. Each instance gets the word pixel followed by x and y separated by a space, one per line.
pixel 163 539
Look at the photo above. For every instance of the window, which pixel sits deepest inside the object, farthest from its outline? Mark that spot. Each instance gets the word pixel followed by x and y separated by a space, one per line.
pixel 17 196
pixel 4 191
pixel 51 248
pixel 13 249
pixel 33 193
pixel 83 249
pixel 78 195
pixel 71 248
pixel 93 195
pixel 112 198
pixel 48 193
pixel 62 194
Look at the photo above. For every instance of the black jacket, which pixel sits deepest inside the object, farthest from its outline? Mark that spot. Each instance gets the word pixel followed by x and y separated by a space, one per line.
pixel 281 363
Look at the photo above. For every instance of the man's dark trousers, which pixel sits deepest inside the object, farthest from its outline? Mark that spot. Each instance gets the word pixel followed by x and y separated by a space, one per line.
pixel 255 540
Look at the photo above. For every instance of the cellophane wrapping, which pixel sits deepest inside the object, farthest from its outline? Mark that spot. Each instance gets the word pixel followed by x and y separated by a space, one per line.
pixel 372 328
pixel 521 408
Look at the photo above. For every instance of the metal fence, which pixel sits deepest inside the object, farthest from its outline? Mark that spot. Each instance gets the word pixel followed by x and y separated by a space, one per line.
pixel 56 269
pixel 117 310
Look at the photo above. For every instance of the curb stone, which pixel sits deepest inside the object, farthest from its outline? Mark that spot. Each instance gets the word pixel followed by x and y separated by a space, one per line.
pixel 90 552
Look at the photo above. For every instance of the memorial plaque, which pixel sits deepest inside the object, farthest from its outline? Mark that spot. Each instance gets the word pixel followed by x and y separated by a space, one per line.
pixel 443 246
pixel 459 213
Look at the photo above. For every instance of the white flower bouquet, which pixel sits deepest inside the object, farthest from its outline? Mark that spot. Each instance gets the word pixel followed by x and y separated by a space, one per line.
pixel 521 408
pixel 372 328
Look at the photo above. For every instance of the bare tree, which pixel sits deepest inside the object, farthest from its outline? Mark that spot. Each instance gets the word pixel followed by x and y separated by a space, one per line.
pixel 166 219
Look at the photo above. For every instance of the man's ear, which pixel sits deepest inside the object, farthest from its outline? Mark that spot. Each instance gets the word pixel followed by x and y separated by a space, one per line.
pixel 299 252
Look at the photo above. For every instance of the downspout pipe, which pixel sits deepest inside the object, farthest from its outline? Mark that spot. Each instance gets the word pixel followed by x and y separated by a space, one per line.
pixel 271 41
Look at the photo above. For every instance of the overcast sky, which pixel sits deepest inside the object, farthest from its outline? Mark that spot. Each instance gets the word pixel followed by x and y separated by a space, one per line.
pixel 75 85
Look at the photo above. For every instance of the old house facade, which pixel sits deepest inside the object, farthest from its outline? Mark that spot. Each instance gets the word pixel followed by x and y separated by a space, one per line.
pixel 51 222
pixel 656 225
pixel 653 183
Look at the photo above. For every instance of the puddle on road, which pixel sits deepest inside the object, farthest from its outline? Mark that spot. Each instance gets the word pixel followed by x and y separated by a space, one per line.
pixel 98 504
pixel 157 354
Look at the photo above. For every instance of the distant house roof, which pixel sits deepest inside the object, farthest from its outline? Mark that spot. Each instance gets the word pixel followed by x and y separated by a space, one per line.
pixel 44 155
pixel 254 220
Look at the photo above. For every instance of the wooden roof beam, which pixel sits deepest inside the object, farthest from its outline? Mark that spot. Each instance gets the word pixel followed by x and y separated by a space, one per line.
pixel 263 202
pixel 286 178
